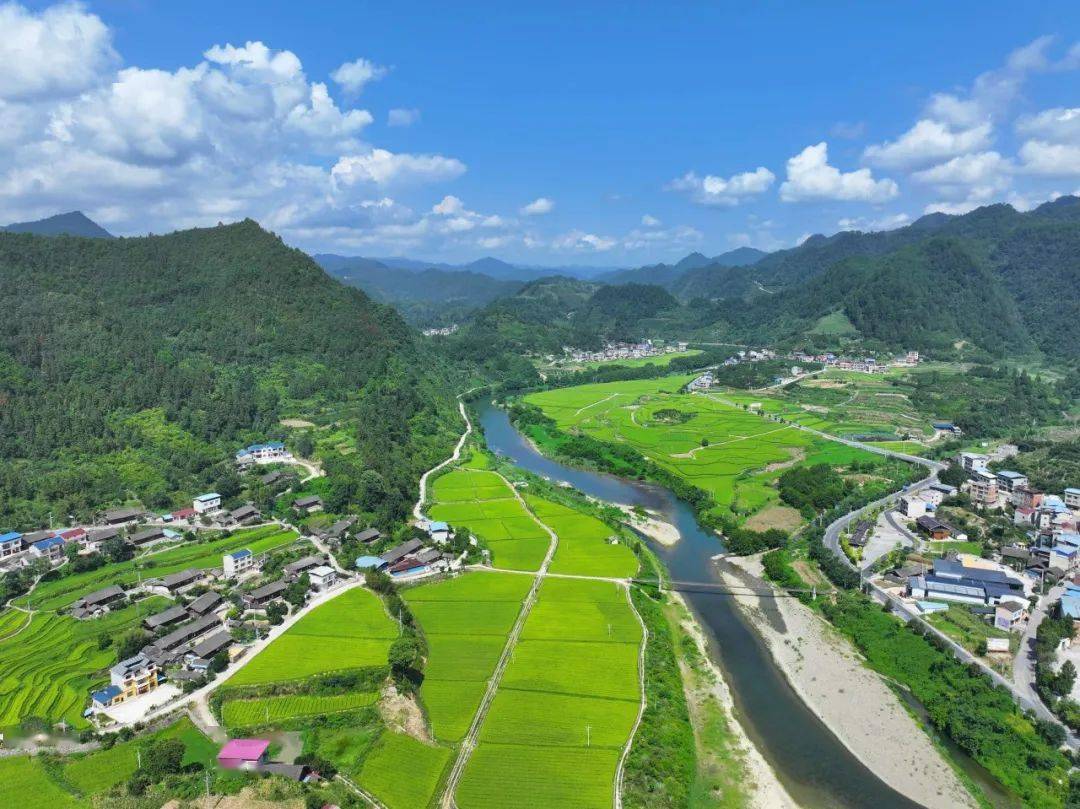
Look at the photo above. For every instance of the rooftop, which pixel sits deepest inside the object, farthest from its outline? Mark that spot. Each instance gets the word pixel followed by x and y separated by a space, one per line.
pixel 10 536
pixel 246 749
pixel 206 498
pixel 240 554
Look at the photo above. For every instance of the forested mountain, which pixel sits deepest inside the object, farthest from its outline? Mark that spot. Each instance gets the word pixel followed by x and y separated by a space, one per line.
pixel 74 223
pixel 428 297
pixel 493 267
pixel 548 314
pixel 135 366
pixel 670 276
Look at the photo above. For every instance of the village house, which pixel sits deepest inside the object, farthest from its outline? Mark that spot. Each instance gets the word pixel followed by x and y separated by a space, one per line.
pixel 952 581
pixel 205 604
pixel 184 514
pixel 148 535
pixel 370 563
pixel 263 453
pixel 134 676
pixel 172 615
pixel 399 552
pixel 262 596
pixel 860 534
pixel 206 503
pixel 1010 481
pixel 243 754
pixel 237 563
pixel 934 528
pixel 245 515
pixel 1071 496
pixel 10 544
pixel 272 478
pixel 982 488
pixel 369 535
pixel 439 532
pixel 300 566
pixel 183 580
pixel 322 577
pixel 912 506
pixel 207 649
pixel 973 462
pixel 96 603
pixel 335 532
pixel 51 549
pixel 1009 613
pixel 121 516
pixel 308 505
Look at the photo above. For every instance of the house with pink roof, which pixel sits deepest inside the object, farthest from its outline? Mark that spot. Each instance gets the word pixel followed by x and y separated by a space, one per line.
pixel 243 754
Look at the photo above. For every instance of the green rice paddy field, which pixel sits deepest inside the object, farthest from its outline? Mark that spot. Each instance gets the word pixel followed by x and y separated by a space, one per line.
pixel 745 452
pixel 566 704
pixel 62 592
pixel 240 713
pixel 49 669
pixel 403 772
pixel 351 631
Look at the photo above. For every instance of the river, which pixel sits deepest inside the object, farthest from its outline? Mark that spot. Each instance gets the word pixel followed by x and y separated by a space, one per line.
pixel 814 766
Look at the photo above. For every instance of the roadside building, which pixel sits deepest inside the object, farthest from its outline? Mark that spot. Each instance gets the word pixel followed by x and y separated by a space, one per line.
pixel 148 535
pixel 1026 497
pixel 184 515
pixel 207 649
pixel 11 543
pixel 439 532
pixel 983 488
pixel 953 581
pixel 245 515
pixel 860 534
pixel 399 552
pixel 369 535
pixel 106 697
pixel 243 754
pixel 269 452
pixel 338 530
pixel 1010 613
pixel 1010 481
pixel 122 516
pixel 912 506
pixel 237 563
pixel 370 563
pixel 973 462
pixel 96 603
pixel 51 549
pixel 134 676
pixel 308 504
pixel 183 580
pixel 406 566
pixel 322 577
pixel 1071 496
pixel 206 503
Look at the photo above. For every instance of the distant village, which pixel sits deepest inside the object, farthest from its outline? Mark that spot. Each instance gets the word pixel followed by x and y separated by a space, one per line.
pixel 866 365
pixel 442 331
pixel 216 614
pixel 620 351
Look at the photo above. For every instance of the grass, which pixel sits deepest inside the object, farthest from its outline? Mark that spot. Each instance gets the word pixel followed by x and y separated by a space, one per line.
pixel 744 451
pixel 62 592
pixel 253 712
pixel 466 621
pixel 351 631
pixel 583 547
pixel 48 669
pixel 402 772
pixel 967 628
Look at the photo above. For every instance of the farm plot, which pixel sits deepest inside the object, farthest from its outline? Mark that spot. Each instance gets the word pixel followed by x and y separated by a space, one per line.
pixel 731 452
pixel 351 631
pixel 583 548
pixel 48 669
pixel 466 621
pixel 566 704
pixel 250 712
pixel 402 772
pixel 483 503
pixel 25 784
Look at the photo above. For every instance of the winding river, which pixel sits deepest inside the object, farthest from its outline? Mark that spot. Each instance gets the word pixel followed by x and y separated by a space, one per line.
pixel 814 766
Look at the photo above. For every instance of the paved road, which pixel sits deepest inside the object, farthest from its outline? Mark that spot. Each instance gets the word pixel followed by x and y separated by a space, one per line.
pixel 1023 665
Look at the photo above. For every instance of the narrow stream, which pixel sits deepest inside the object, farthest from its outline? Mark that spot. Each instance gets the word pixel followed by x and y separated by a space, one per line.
pixel 814 766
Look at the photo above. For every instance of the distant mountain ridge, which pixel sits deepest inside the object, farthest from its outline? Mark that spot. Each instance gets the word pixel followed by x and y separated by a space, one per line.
pixel 495 268
pixel 73 223
pixel 669 276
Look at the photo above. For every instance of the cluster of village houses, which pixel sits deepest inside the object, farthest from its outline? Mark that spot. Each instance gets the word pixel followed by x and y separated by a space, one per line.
pixel 196 628
pixel 866 365
pixel 999 588
pixel 622 351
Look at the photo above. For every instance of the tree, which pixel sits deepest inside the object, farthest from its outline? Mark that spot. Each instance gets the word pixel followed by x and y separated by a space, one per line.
pixel 130 644
pixel 116 550
pixel 1065 679
pixel 305 444
pixel 404 656
pixel 220 662
pixel 162 758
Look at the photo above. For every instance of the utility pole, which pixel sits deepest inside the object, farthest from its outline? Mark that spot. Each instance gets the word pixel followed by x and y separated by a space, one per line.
pixel 588 735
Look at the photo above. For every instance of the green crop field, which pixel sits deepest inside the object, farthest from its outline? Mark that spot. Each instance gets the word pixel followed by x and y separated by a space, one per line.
pixel 59 593
pixel 484 504
pixel 466 621
pixel 527 777
pixel 351 631
pixel 251 712
pixel 583 547
pixel 733 453
pixel 49 669
pixel 565 706
pixel 402 772
pixel 24 784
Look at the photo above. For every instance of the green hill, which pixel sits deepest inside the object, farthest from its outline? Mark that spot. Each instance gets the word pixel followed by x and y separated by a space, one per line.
pixel 135 367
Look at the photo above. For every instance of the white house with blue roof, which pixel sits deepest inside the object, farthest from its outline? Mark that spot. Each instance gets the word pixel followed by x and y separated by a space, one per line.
pixel 269 452
pixel 206 503
pixel 51 549
pixel 439 532
pixel 11 543
pixel 237 563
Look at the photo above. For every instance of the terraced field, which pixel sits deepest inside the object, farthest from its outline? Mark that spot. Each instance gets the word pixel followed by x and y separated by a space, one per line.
pixel 565 707
pixel 351 631
pixel 710 441
pixel 48 669
pixel 251 712
pixel 482 502
pixel 60 593
pixel 466 621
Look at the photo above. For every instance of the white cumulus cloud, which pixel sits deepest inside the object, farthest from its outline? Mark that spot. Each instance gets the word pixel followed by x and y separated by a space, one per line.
pixel 402 116
pixel 928 141
pixel 354 76
pixel 538 207
pixel 382 167
pixel 810 177
pixel 713 190
pixel 578 241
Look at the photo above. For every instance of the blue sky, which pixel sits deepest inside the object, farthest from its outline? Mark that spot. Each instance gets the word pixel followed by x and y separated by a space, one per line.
pixel 602 133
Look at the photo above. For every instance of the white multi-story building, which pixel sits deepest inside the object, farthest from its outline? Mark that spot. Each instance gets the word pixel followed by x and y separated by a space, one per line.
pixel 237 563
pixel 206 503
pixel 263 453
pixel 1071 497
pixel 973 462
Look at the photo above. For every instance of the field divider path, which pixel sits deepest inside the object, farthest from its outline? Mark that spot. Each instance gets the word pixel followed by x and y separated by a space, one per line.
pixel 468 743
pixel 366 796
pixel 418 513
pixel 620 770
